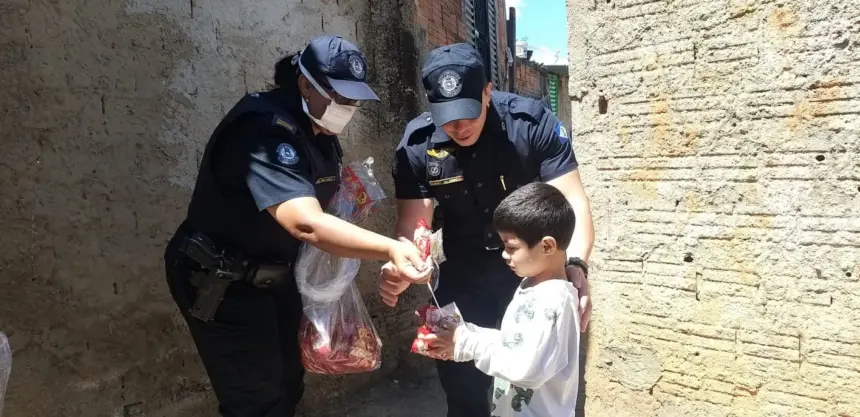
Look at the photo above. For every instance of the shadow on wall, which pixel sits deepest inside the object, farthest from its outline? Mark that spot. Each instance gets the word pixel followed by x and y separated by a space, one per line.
pixel 87 210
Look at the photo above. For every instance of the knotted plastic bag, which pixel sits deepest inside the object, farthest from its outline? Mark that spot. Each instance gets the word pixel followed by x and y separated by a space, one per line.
pixel 336 334
pixel 434 320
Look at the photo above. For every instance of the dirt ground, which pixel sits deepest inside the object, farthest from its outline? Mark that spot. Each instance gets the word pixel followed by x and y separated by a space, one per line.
pixel 420 396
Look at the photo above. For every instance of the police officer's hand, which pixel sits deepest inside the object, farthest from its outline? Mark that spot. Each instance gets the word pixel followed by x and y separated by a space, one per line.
pixel 391 285
pixel 407 258
pixel 576 275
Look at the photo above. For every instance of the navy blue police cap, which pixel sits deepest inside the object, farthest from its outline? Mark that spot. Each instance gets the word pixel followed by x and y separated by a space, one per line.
pixel 342 65
pixel 454 79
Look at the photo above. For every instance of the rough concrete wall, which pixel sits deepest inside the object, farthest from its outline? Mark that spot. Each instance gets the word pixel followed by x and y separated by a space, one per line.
pixel 107 105
pixel 724 181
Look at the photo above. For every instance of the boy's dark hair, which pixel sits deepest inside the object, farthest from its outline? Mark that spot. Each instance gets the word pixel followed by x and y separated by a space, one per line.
pixel 534 211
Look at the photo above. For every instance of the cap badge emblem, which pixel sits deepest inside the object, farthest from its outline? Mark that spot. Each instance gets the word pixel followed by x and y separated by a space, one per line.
pixel 356 67
pixel 449 83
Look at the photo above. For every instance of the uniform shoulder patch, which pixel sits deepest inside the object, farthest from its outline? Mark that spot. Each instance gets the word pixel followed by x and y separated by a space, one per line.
pixel 284 123
pixel 561 131
pixel 287 154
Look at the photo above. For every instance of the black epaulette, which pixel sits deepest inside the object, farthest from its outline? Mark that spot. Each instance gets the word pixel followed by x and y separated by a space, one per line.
pixel 285 122
pixel 525 107
pixel 418 124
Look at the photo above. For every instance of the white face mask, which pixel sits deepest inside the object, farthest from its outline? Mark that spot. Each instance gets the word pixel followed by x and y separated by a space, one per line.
pixel 336 115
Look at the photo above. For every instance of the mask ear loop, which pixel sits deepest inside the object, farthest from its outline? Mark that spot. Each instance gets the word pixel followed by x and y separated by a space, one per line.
pixel 313 82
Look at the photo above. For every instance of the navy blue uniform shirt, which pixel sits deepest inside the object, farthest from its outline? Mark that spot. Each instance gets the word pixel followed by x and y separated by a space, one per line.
pixel 264 153
pixel 522 142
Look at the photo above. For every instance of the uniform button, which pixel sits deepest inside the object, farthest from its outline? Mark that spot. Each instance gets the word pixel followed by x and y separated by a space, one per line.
pixel 447 196
pixel 474 155
pixel 465 191
pixel 486 210
pixel 480 185
pixel 513 104
pixel 489 235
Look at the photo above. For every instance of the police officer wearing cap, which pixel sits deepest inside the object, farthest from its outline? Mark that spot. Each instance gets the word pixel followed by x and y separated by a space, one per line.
pixel 471 150
pixel 267 174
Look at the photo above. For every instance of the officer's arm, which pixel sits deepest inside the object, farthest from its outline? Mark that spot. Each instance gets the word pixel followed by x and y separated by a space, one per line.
pixel 278 176
pixel 409 212
pixel 414 201
pixel 559 168
pixel 304 218
pixel 582 242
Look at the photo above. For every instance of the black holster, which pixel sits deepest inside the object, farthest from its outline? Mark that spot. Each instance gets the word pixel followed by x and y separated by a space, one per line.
pixel 219 268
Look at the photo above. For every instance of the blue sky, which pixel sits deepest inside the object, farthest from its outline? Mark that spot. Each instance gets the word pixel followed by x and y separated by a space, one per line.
pixel 544 23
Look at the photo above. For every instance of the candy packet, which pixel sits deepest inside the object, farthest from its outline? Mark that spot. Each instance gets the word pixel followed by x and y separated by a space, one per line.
pixel 429 242
pixel 430 245
pixel 434 320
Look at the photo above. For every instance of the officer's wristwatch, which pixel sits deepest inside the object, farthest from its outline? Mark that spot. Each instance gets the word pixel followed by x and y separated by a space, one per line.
pixel 575 261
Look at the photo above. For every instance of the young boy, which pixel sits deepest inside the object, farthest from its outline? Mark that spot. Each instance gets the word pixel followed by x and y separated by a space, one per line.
pixel 534 357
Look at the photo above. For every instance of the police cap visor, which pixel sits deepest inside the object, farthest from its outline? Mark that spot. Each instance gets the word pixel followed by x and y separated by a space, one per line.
pixel 342 64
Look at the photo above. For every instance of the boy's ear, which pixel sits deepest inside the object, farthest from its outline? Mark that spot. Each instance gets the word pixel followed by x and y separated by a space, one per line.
pixel 549 245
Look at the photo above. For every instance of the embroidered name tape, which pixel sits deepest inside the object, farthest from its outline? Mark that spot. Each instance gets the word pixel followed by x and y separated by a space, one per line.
pixel 445 181
pixel 323 180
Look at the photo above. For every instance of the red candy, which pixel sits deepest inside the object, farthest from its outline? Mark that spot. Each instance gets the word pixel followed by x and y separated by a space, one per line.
pixel 423 239
pixel 356 349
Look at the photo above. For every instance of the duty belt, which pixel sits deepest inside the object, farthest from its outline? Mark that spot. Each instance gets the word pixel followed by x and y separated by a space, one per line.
pixel 219 269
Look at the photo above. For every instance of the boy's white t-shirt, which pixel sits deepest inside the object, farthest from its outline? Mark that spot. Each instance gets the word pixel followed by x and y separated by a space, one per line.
pixel 534 357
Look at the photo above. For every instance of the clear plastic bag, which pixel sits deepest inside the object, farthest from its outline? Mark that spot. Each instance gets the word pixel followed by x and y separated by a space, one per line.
pixel 430 246
pixel 434 320
pixel 336 334
pixel 5 367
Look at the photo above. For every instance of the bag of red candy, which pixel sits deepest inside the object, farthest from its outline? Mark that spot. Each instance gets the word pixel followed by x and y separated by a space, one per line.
pixel 336 334
pixel 430 245
pixel 339 337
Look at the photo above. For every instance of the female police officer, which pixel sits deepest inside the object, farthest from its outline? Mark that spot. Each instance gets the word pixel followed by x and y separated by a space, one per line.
pixel 267 175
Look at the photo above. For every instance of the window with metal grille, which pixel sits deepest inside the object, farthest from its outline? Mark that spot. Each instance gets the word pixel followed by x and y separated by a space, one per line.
pixel 481 18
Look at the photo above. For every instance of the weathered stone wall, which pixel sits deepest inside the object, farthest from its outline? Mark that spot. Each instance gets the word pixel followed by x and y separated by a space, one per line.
pixel 720 143
pixel 106 108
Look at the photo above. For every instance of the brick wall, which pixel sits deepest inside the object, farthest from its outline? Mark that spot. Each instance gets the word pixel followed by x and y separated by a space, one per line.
pixel 725 185
pixel 530 78
pixel 532 81
pixel 441 21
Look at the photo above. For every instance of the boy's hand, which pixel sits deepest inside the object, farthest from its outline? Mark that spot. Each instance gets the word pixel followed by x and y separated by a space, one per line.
pixel 441 345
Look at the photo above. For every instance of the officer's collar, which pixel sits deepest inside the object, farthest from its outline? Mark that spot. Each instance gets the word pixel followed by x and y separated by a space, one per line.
pixel 494 124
